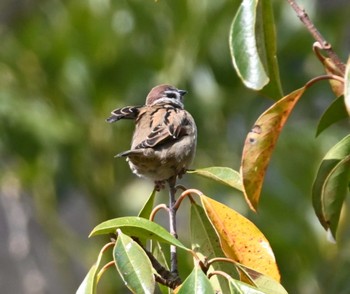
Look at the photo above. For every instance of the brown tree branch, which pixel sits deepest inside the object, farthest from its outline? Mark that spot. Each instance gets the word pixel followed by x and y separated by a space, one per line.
pixel 172 224
pixel 303 16
pixel 165 277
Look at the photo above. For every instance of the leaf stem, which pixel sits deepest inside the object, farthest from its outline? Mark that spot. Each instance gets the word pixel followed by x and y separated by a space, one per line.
pixel 221 259
pixel 185 194
pixel 324 77
pixel 220 273
pixel 304 18
pixel 103 269
pixel 106 246
pixel 156 209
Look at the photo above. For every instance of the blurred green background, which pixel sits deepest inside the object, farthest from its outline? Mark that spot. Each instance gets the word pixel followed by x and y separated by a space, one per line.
pixel 64 65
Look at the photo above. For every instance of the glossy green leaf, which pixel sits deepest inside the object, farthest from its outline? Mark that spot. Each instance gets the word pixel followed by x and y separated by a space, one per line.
pixel 238 287
pixel 196 283
pixel 262 282
pixel 260 143
pixel 133 265
pixel 148 207
pixel 334 113
pixel 224 175
pixel 347 87
pixel 89 284
pixel 243 46
pixel 146 210
pixel 330 184
pixel 158 254
pixel 206 243
pixel 266 44
pixel 253 47
pixel 334 191
pixel 137 227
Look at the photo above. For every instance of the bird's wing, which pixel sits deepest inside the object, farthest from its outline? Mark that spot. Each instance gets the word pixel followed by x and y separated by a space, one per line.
pixel 129 152
pixel 170 126
pixel 127 112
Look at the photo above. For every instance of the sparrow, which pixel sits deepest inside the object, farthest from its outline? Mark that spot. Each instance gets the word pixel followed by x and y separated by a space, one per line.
pixel 165 137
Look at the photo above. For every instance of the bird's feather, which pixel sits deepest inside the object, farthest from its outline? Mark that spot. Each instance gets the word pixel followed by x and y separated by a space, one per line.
pixel 171 128
pixel 129 152
pixel 127 112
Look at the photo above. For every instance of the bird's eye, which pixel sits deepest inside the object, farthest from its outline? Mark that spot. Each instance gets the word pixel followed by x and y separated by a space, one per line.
pixel 171 95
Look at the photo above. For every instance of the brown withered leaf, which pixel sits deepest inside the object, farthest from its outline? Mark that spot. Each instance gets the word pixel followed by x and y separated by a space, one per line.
pixel 331 69
pixel 260 143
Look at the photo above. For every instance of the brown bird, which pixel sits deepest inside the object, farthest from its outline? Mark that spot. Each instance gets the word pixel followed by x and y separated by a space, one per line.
pixel 165 137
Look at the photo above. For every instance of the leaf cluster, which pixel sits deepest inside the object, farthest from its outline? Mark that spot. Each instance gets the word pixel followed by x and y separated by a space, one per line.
pixel 219 233
pixel 252 43
pixel 230 254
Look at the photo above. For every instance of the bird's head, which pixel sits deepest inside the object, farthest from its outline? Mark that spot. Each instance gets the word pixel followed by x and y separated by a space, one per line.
pixel 163 94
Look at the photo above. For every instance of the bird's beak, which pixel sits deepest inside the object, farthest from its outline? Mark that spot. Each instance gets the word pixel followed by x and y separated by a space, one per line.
pixel 182 92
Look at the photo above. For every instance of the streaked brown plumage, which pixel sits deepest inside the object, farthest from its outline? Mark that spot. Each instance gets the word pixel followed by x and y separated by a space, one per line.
pixel 165 136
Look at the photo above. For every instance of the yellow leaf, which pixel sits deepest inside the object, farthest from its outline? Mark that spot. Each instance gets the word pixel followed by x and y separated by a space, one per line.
pixel 260 143
pixel 240 239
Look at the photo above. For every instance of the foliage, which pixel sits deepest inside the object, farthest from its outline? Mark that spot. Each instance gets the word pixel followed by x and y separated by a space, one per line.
pixel 253 51
pixel 240 241
pixel 65 65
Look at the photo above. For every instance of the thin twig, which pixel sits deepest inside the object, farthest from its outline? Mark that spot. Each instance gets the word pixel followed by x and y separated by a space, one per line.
pixel 172 224
pixel 156 209
pixel 187 193
pixel 180 187
pixel 303 16
pixel 220 259
pixel 220 273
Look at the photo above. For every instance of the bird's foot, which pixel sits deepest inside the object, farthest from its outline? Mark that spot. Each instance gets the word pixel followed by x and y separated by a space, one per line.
pixel 159 185
pixel 181 173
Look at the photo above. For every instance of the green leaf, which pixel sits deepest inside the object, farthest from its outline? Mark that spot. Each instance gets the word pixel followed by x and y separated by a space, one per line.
pixel 243 46
pixel 158 254
pixel 238 287
pixel 262 282
pixel 334 113
pixel 223 175
pixel 330 185
pixel 133 265
pixel 260 143
pixel 196 283
pixel 347 86
pixel 88 286
pixel 253 47
pixel 334 191
pixel 206 243
pixel 137 227
pixel 266 44
pixel 148 207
